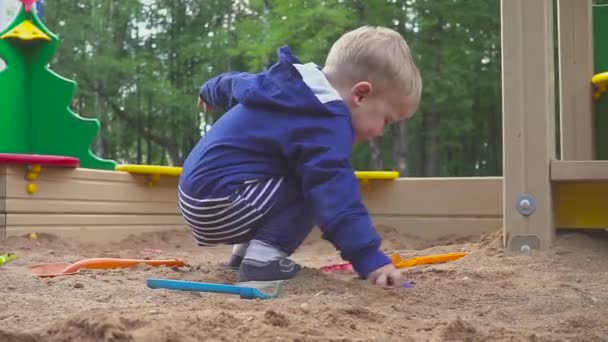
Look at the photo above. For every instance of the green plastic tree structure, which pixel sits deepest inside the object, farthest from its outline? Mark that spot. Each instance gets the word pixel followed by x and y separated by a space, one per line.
pixel 35 117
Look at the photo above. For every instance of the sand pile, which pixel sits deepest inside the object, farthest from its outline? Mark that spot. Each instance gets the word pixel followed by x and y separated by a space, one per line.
pixel 490 295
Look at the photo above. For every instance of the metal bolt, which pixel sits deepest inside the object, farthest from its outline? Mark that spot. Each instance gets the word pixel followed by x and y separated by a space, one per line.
pixel 526 204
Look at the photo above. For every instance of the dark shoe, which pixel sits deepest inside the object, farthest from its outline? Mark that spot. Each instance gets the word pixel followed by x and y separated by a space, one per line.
pixel 235 263
pixel 280 269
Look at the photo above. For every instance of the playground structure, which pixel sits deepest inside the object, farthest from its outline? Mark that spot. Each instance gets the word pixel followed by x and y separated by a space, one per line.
pixel 541 192
pixel 96 199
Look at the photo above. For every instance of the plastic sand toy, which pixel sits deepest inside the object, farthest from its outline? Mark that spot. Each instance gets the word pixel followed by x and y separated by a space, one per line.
pixel 4 258
pixel 245 292
pixel 64 268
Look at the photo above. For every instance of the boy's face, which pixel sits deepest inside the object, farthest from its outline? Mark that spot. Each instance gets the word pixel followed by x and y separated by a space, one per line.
pixel 372 112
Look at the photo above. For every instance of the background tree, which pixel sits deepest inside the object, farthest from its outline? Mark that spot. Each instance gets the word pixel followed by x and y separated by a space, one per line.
pixel 139 66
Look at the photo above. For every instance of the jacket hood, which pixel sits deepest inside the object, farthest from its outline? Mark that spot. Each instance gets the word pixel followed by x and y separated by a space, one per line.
pixel 290 85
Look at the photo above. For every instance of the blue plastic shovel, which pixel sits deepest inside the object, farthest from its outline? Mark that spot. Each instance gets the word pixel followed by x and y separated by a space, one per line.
pixel 244 291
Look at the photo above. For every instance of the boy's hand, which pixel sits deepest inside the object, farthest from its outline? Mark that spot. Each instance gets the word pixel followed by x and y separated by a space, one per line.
pixel 202 104
pixel 387 276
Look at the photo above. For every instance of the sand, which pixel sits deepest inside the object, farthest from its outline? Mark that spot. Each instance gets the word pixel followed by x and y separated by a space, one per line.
pixel 490 295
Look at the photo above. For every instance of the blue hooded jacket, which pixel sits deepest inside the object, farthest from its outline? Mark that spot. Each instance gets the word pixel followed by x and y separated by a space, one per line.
pixel 287 121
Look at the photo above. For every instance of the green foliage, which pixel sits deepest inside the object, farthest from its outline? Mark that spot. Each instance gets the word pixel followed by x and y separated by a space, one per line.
pixel 34 115
pixel 306 26
pixel 139 65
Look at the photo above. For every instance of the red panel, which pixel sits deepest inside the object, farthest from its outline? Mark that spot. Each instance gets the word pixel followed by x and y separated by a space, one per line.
pixel 30 159
pixel 347 267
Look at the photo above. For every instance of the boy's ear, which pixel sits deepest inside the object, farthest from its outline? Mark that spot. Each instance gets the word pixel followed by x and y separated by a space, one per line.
pixel 360 91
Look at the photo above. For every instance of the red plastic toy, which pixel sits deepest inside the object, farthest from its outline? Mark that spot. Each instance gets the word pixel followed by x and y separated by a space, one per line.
pixel 347 267
pixel 28 4
pixel 36 159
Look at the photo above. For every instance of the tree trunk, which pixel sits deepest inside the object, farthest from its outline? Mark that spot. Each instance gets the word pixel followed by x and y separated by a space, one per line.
pixel 432 160
pixel 149 153
pixel 400 163
pixel 139 124
pixel 421 140
pixel 101 145
pixel 139 107
pixel 473 151
pixel 104 147
pixel 375 152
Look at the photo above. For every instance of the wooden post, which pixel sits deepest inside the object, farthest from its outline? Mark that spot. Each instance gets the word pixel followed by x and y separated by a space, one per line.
pixel 528 122
pixel 2 202
pixel 575 32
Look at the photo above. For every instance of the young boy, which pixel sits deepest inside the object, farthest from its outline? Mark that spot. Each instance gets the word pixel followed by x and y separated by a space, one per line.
pixel 278 161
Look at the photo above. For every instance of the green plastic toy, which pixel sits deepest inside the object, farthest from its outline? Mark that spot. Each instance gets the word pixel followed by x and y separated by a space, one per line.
pixel 34 113
pixel 4 258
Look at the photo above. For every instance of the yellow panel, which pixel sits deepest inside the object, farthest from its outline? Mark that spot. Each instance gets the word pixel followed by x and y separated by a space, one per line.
pixel 176 171
pixel 382 175
pixel 581 205
pixel 25 31
pixel 601 84
pixel 600 78
pixel 150 169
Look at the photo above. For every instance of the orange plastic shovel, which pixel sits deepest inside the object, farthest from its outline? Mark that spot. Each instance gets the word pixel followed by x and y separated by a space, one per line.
pixel 399 262
pixel 64 268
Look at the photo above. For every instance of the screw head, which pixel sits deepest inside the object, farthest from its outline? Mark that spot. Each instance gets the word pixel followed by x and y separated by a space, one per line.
pixel 526 204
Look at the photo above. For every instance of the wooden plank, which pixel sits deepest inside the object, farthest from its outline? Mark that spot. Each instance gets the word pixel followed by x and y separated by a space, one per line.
pixel 424 228
pixel 572 171
pixel 2 202
pixel 441 227
pixel 61 185
pixel 480 197
pixel 92 233
pixel 581 205
pixel 528 119
pixel 107 205
pixel 2 226
pixel 79 206
pixel 88 174
pixel 2 188
pixel 83 220
pixel 575 33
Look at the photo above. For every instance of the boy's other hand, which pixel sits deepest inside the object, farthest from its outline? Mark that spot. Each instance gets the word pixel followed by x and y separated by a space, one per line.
pixel 387 276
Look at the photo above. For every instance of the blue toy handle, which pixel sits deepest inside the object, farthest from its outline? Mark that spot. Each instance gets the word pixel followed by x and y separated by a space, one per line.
pixel 191 286
pixel 181 285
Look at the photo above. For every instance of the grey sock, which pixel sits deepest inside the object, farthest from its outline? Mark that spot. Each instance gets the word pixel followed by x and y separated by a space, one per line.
pixel 263 252
pixel 240 249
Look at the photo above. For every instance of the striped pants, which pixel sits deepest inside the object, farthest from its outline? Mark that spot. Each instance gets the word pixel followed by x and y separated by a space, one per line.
pixel 271 210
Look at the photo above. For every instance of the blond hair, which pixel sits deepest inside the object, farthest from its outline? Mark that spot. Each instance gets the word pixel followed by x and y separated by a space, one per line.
pixel 376 54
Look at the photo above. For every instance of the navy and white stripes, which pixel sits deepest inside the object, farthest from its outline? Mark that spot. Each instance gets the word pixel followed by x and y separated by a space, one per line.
pixel 231 219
